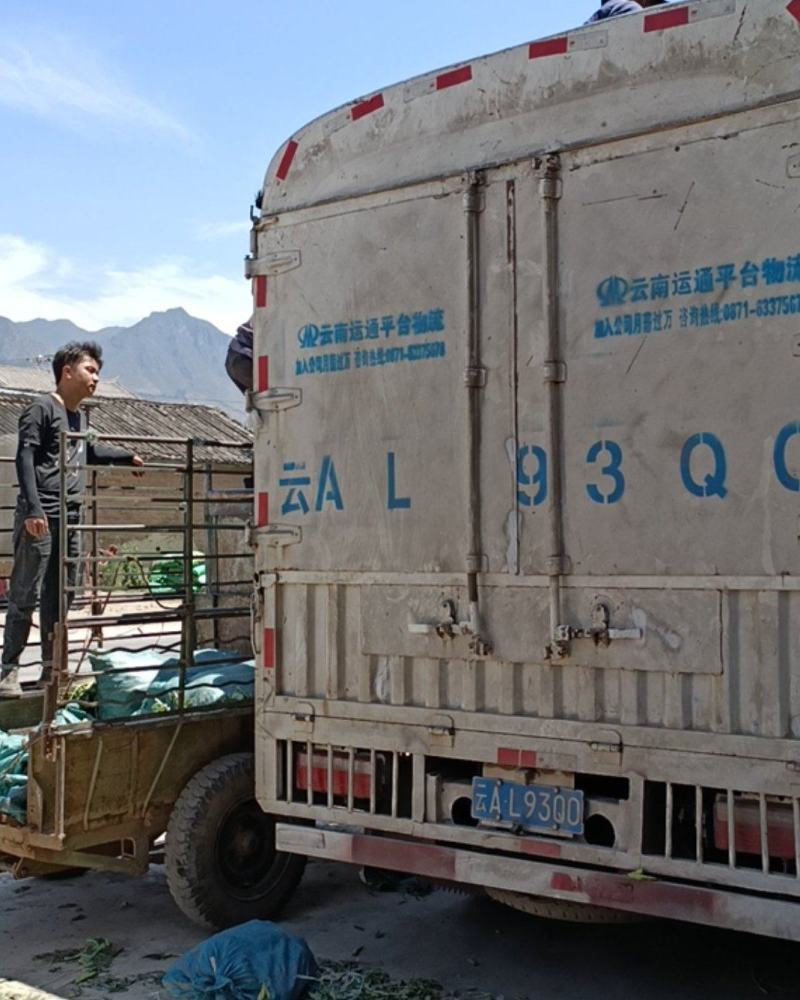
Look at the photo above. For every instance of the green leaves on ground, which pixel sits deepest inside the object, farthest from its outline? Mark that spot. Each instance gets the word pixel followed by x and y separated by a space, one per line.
pixel 94 962
pixel 347 981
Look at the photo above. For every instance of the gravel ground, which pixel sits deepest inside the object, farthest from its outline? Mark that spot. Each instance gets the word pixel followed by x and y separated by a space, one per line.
pixel 466 943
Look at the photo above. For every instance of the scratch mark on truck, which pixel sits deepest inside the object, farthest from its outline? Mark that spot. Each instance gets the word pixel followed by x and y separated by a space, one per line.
pixel 684 206
pixel 382 678
pixel 655 196
pixel 741 25
pixel 635 358
pixel 671 639
pixel 512 534
pixel 611 201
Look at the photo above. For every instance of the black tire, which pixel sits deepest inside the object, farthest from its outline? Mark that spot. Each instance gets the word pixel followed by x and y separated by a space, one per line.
pixel 222 866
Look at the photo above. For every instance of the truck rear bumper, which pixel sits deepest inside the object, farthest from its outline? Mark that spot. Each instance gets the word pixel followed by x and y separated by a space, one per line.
pixel 749 912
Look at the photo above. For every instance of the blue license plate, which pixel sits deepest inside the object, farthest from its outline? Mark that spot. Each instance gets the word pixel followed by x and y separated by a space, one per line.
pixel 532 807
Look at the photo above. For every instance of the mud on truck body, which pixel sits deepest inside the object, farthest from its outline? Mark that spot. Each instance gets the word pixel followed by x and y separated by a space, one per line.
pixel 527 470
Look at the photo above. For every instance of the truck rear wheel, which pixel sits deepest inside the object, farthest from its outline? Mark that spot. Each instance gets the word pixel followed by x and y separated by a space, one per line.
pixel 222 866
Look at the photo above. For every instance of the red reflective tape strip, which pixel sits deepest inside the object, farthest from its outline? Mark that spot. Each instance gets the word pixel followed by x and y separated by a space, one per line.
pixel 516 758
pixel 262 514
pixel 644 897
pixel 540 848
pixel 420 859
pixel 263 373
pixel 794 9
pixel 286 162
pixel 268 649
pixel 453 78
pixel 549 47
pixel 367 107
pixel 667 19
pixel 562 882
pixel 261 291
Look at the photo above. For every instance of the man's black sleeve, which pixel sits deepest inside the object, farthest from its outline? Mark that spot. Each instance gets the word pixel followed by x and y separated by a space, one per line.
pixel 28 440
pixel 26 477
pixel 107 454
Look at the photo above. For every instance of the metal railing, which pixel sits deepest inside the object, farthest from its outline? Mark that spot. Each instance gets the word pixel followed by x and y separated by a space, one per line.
pixel 152 566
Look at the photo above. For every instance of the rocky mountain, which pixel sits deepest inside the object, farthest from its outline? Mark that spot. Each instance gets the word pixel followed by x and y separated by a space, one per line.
pixel 169 356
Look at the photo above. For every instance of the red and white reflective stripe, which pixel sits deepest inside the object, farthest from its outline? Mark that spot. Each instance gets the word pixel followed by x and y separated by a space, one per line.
pixel 286 160
pixel 676 17
pixel 367 107
pixel 549 47
pixel 260 291
pixel 263 373
pixel 794 9
pixel 453 77
pixel 262 510
pixel 508 757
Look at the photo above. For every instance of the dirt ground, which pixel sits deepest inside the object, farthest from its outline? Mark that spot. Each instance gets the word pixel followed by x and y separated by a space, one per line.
pixel 466 943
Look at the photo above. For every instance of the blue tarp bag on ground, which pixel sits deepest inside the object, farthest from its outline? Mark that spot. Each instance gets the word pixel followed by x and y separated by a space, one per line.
pixel 254 961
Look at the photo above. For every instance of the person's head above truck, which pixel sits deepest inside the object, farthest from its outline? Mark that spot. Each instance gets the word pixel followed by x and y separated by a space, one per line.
pixel 615 8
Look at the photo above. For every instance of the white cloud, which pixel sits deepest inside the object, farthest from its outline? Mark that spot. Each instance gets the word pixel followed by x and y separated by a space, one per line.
pixel 221 230
pixel 37 283
pixel 61 76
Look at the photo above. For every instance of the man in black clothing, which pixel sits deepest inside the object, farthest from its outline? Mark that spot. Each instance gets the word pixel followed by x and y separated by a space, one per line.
pixel 37 521
pixel 614 8
pixel 239 360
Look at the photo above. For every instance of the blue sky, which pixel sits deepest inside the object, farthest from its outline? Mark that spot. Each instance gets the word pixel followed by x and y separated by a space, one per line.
pixel 135 134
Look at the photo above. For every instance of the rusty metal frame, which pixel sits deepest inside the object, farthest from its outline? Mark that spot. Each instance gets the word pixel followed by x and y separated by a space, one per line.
pixel 100 793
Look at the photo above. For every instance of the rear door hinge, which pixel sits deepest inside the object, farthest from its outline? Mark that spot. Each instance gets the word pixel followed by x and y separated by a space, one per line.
pixel 554 371
pixel 272 400
pixel 271 263
pixel 276 534
pixel 475 378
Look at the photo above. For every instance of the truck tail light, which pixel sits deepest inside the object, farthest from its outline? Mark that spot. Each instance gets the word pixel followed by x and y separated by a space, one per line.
pixel 747 826
pixel 334 771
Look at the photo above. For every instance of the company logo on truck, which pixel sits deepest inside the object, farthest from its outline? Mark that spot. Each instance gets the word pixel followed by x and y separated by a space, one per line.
pixel 371 343
pixel 615 292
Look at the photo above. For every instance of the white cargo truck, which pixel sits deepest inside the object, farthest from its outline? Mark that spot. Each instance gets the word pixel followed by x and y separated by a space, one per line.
pixel 528 473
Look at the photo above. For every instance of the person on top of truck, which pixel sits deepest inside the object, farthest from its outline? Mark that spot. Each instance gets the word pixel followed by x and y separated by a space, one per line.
pixel 35 576
pixel 614 8
pixel 239 360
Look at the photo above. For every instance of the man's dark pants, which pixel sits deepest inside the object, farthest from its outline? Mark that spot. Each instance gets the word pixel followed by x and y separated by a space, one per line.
pixel 34 580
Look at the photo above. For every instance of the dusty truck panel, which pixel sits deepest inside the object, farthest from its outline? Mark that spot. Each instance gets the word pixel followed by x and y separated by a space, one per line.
pixel 527 470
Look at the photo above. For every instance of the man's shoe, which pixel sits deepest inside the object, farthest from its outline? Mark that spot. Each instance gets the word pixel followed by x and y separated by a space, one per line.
pixel 9 684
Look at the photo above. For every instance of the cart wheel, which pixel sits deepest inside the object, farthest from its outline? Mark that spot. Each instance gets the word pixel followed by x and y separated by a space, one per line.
pixel 222 866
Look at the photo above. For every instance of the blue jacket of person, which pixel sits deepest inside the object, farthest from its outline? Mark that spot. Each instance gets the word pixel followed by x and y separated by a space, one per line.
pixel 613 8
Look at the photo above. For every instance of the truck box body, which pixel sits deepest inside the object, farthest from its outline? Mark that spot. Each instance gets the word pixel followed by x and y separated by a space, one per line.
pixel 528 462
